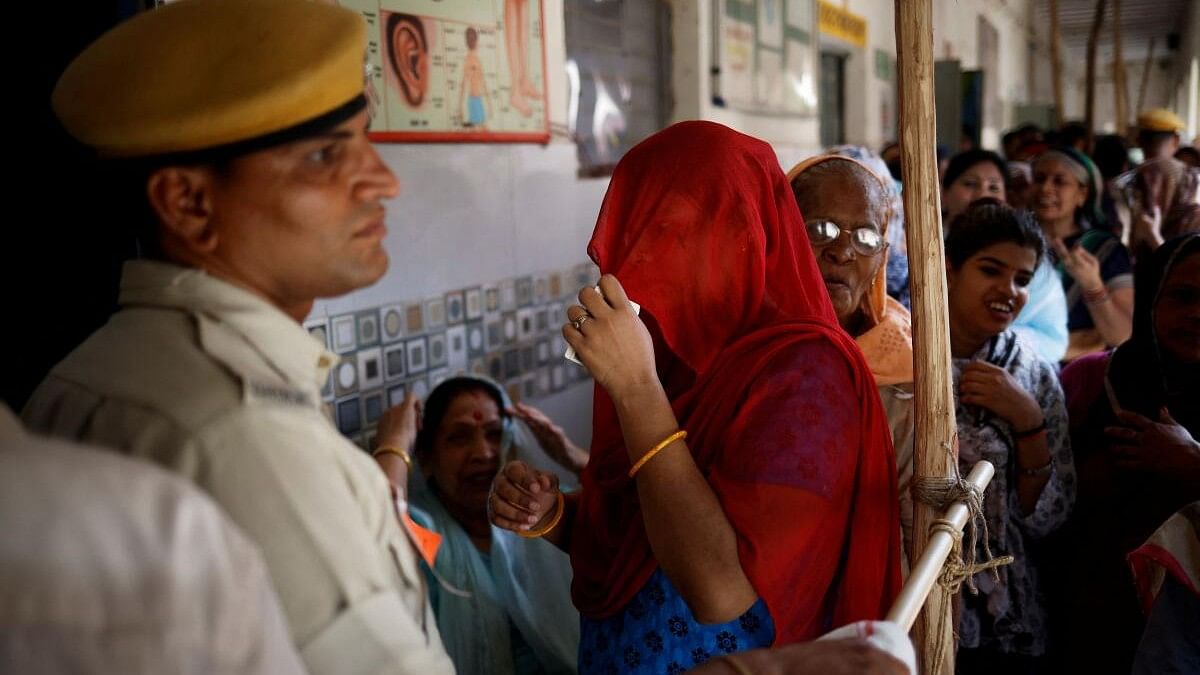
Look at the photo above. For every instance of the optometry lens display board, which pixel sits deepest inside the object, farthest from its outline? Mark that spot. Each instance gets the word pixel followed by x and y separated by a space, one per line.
pixel 765 56
pixel 456 70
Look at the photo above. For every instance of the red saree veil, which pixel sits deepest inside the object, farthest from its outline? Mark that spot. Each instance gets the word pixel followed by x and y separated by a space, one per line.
pixel 701 228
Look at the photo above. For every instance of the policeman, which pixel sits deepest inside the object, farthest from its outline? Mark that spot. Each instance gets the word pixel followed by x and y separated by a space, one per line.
pixel 241 126
pixel 1158 133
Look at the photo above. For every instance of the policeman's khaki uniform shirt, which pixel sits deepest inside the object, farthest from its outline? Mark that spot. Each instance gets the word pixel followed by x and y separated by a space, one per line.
pixel 112 565
pixel 215 383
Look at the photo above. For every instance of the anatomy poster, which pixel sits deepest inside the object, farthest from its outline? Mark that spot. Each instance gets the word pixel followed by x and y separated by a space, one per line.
pixel 457 70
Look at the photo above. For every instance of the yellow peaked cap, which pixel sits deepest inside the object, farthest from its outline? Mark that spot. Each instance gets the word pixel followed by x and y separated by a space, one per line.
pixel 200 74
pixel 1160 119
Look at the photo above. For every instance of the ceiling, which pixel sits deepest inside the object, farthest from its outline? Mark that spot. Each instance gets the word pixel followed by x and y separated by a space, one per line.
pixel 1141 20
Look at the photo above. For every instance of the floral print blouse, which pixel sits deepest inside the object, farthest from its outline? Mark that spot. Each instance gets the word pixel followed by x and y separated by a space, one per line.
pixel 1009 615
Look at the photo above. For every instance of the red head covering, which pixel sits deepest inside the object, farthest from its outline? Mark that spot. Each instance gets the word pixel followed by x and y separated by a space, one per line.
pixel 783 418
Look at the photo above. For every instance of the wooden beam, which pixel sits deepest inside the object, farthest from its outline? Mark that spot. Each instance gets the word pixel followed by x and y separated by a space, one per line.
pixel 1141 102
pixel 1120 99
pixel 935 425
pixel 1089 117
pixel 1056 63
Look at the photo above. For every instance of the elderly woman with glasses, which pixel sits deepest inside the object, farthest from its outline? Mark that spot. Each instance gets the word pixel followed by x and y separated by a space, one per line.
pixel 846 210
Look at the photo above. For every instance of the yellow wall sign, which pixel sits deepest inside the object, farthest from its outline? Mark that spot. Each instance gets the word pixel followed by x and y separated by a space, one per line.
pixel 835 21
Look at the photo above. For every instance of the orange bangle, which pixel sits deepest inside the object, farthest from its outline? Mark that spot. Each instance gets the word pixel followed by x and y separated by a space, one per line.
pixel 544 530
pixel 678 435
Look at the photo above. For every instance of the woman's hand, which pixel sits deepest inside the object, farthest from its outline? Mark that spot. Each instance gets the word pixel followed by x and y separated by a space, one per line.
pixel 1147 216
pixel 522 497
pixel 993 388
pixel 552 438
pixel 399 424
pixel 398 429
pixel 1081 265
pixel 610 340
pixel 1163 447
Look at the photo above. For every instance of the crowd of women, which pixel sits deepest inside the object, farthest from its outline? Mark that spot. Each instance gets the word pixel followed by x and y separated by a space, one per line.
pixel 745 504
pixel 750 472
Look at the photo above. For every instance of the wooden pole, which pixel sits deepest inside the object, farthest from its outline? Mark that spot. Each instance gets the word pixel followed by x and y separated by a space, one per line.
pixel 1130 113
pixel 1141 102
pixel 1120 100
pixel 1089 117
pixel 936 447
pixel 1056 63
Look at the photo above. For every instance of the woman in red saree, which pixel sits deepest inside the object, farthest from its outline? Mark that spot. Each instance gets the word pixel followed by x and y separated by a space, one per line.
pixel 777 519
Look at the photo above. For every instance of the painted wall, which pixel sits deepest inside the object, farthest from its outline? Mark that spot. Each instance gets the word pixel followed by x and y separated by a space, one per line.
pixel 692 28
pixel 479 215
pixel 955 36
pixel 474 215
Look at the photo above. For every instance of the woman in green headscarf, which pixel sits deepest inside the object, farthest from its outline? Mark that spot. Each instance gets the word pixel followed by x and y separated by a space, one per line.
pixel 1096 269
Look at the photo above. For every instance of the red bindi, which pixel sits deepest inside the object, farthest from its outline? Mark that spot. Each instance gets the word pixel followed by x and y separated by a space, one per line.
pixel 477 415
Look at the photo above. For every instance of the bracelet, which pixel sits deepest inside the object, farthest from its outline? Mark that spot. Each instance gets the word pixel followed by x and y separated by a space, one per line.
pixel 736 664
pixel 1038 471
pixel 1095 297
pixel 655 450
pixel 393 450
pixel 542 531
pixel 1030 433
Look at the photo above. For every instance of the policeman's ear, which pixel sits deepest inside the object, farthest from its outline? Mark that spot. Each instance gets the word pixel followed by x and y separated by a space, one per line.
pixel 181 198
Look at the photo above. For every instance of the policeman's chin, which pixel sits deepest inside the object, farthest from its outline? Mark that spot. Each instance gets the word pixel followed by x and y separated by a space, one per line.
pixel 362 273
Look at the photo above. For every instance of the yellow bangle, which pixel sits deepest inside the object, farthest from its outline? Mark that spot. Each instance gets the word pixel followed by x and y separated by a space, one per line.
pixel 678 435
pixel 393 450
pixel 542 531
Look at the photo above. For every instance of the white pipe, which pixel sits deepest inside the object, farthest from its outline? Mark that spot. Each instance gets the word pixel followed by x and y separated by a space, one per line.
pixel 925 573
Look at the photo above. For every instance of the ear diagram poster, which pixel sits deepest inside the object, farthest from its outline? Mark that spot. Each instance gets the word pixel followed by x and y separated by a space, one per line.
pixel 456 70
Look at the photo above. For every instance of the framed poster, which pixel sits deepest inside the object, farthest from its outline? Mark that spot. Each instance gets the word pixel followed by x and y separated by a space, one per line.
pixel 618 77
pixel 765 56
pixel 456 70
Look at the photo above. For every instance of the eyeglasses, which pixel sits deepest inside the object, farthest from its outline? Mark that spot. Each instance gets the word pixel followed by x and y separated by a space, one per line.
pixel 865 240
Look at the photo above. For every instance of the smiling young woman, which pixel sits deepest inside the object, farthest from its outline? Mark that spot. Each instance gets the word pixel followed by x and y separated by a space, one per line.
pixel 1010 411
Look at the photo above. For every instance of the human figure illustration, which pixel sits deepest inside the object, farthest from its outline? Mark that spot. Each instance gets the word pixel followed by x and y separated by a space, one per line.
pixel 473 87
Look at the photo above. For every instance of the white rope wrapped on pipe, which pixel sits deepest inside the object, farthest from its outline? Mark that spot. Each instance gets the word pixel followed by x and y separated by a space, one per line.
pixel 941 541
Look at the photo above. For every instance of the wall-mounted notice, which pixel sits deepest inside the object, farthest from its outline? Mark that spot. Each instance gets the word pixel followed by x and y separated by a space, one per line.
pixel 765 56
